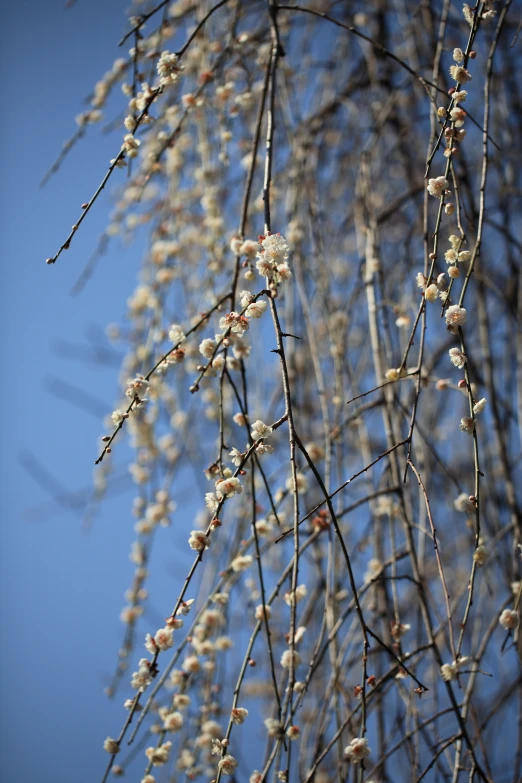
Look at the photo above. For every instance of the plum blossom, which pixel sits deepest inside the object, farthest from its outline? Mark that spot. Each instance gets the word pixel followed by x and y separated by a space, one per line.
pixel 198 541
pixel 357 750
pixel 260 430
pixel 437 186
pixel 456 316
pixel 508 619
pixel 227 765
pixel 457 358
pixel 229 487
pixel 272 258
pixel 459 74
pixel 159 756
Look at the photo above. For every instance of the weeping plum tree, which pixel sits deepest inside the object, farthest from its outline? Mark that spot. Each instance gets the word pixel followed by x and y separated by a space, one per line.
pixel 321 366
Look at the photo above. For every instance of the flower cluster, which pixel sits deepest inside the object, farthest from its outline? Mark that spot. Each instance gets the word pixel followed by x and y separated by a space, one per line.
pixel 272 258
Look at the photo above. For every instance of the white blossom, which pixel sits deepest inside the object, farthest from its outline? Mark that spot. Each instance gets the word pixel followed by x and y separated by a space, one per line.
pixel 479 406
pixel 431 293
pixel 256 309
pixel 173 721
pixel 227 765
pixel 168 68
pixel 260 430
pixel 467 425
pixel 457 358
pixel 272 257
pixel 159 756
pixel 508 619
pixel 455 315
pixel 239 714
pixel 480 555
pixel 286 659
pixel 459 74
pixel 198 541
pixel 464 504
pixel 176 334
pixel 437 186
pixel 111 745
pixel 229 487
pixel 241 563
pixel 207 347
pixel 458 55
pixel 357 750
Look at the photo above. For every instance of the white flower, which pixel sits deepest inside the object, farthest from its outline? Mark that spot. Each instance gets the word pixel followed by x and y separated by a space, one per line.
pixel 464 504
pixel 227 764
pixel 455 315
pixel 467 425
pixel 458 55
pixel 173 721
pixel 293 732
pixel 271 259
pixel 198 541
pixel 142 678
pixel 130 145
pixel 273 727
pixel 207 347
pixel 464 255
pixel 249 248
pixel 260 430
pixel 164 639
pixel 508 619
pixel 286 659
pixel 300 593
pixel 264 527
pixel 191 664
pixel 274 248
pixel 241 563
pixel 479 406
pixel 458 116
pixel 111 745
pixel 357 750
pixel 256 309
pixel 457 358
pixel 436 186
pixel 262 611
pixel 137 388
pixel 236 456
pixel 168 68
pixel 392 374
pixel 159 756
pixel 239 714
pixel 176 334
pixel 235 245
pixel 229 487
pixel 245 298
pixel 211 501
pixel 449 671
pixel 431 293
pixel 237 324
pixel 185 606
pixel 459 96
pixel 459 74
pixel 480 555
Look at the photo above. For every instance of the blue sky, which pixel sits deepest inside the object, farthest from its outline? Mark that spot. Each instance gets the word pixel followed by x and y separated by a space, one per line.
pixel 58 583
